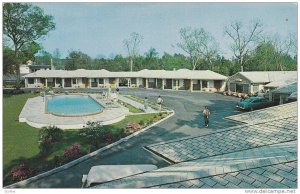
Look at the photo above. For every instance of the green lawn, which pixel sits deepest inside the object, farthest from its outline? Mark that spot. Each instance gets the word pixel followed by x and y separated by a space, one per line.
pixel 20 141
pixel 131 108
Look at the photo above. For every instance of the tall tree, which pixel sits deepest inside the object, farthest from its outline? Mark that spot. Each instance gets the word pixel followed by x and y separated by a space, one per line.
pixel 282 47
pixel 198 44
pixel 24 24
pixel 244 41
pixel 132 46
pixel 77 60
pixel 151 59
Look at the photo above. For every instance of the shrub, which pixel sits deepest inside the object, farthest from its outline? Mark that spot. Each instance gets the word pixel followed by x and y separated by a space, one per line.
pixel 95 133
pixel 142 122
pixel 108 138
pixel 73 151
pixel 53 133
pixel 58 160
pixel 47 137
pixel 21 172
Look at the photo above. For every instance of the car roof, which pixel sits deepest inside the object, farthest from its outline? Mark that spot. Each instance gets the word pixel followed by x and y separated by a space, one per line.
pixel 254 98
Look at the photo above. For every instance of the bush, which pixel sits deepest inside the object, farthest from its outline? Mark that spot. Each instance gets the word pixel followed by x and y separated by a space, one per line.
pixel 73 151
pixel 142 122
pixel 21 172
pixel 108 138
pixel 95 133
pixel 58 161
pixel 47 137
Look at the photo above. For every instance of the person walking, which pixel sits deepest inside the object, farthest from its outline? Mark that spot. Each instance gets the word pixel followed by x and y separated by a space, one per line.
pixel 159 101
pixel 206 114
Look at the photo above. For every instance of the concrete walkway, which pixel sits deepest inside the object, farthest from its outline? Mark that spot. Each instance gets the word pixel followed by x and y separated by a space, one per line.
pixel 33 113
pixel 136 104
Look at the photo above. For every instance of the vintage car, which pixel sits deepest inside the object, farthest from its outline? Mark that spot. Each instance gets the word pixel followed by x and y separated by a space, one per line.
pixel 253 103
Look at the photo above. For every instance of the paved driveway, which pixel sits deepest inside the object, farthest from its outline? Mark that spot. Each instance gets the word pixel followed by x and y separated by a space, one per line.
pixel 186 121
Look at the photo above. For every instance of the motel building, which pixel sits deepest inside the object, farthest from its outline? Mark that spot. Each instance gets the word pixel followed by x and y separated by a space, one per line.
pixel 251 82
pixel 182 79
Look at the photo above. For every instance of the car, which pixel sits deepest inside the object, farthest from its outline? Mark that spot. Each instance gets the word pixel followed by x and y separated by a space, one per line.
pixel 253 103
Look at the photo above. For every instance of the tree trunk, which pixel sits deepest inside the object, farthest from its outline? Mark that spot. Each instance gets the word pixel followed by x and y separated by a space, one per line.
pixel 17 66
pixel 131 64
pixel 194 64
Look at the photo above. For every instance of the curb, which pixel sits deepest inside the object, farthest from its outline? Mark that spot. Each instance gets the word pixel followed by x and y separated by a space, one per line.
pixel 83 158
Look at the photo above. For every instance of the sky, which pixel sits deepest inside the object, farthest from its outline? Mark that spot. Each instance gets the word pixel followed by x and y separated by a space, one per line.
pixel 99 29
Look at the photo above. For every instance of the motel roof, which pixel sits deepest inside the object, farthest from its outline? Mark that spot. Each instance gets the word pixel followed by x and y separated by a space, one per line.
pixel 287 89
pixel 145 73
pixel 268 76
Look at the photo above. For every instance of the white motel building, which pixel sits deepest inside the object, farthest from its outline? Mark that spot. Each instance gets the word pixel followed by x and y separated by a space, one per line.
pixel 182 79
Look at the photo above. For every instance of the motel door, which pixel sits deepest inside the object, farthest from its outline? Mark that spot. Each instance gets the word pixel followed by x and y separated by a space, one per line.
pixel 85 81
pixel 218 84
pixel 187 84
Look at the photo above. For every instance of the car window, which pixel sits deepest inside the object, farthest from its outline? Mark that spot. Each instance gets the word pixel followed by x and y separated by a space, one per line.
pixel 248 100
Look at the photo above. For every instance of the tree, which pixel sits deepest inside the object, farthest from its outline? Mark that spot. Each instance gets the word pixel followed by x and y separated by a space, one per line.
pixel 282 48
pixel 24 24
pixel 151 59
pixel 78 60
pixel 263 57
pixel 9 61
pixel 243 42
pixel 43 57
pixel 57 62
pixel 198 44
pixel 132 46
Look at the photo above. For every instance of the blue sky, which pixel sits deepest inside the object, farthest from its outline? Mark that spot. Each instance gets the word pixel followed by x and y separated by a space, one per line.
pixel 100 28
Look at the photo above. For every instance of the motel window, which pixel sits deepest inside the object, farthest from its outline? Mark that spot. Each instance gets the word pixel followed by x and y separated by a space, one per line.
pixel 30 81
pixel 232 87
pixel 111 80
pixel 94 80
pixel 204 84
pixel 133 80
pixel 101 81
pixel 74 81
pixel 58 80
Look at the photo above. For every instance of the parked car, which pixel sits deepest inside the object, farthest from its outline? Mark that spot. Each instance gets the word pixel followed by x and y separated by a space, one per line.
pixel 253 103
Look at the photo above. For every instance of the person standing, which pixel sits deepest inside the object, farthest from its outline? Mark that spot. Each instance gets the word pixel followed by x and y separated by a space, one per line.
pixel 206 114
pixel 146 103
pixel 159 101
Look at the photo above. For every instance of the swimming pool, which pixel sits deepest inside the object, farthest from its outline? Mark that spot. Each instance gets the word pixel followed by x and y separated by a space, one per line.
pixel 72 105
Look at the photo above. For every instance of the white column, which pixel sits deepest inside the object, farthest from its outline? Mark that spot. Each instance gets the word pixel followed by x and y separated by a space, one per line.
pixel 63 82
pixel 200 85
pixel 155 82
pixel 177 84
pixel 46 82
pixel 90 83
pixel 26 82
pixel 146 82
pixel 163 84
pixel 128 82
pixel 208 86
pixel 191 85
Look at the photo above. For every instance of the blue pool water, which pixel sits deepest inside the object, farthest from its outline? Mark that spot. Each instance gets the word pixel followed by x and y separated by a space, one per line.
pixel 72 105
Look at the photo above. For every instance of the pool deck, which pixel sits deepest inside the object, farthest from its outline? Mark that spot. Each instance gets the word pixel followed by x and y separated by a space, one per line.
pixel 33 113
